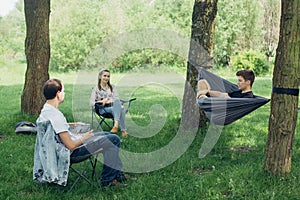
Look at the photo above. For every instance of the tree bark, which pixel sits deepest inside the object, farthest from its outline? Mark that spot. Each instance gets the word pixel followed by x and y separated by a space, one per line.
pixel 37 51
pixel 200 55
pixel 283 116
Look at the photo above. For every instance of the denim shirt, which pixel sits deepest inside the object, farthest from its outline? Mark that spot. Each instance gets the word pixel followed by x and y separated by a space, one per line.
pixel 51 157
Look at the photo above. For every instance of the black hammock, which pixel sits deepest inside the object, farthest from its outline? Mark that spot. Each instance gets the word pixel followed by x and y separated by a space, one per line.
pixel 223 111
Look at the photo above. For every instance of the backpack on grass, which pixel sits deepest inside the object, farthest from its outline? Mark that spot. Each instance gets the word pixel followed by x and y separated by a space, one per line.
pixel 25 127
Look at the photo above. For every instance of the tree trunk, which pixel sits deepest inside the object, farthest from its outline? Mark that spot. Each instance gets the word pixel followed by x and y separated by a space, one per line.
pixel 37 51
pixel 283 116
pixel 200 55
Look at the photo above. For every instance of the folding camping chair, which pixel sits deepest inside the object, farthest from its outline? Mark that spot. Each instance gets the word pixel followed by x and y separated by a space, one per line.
pixel 52 162
pixel 102 118
pixel 90 155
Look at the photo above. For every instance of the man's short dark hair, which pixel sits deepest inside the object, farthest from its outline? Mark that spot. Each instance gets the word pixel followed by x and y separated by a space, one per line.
pixel 248 75
pixel 51 87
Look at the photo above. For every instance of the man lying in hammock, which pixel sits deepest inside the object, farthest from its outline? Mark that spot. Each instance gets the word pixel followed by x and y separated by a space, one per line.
pixel 245 81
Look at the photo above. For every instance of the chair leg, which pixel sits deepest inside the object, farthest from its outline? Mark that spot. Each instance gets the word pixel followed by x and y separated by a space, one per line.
pixel 94 173
pixel 100 121
pixel 93 162
pixel 81 174
pixel 103 121
pixel 92 118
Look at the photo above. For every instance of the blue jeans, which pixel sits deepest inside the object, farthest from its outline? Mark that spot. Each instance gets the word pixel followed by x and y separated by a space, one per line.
pixel 110 143
pixel 117 111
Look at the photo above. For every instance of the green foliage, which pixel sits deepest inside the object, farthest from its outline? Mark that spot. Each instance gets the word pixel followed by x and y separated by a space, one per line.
pixel 271 26
pixel 178 12
pixel 240 26
pixel 228 27
pixel 78 31
pixel 255 61
pixel 78 27
pixel 12 36
pixel 147 57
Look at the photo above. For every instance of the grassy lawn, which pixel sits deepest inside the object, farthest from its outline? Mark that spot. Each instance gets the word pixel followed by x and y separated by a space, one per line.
pixel 232 170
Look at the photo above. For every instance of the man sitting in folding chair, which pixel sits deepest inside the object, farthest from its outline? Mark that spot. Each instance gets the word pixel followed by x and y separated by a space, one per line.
pixel 58 148
pixel 106 102
pixel 49 170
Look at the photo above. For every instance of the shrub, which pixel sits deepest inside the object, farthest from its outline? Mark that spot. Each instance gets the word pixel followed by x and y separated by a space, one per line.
pixel 253 60
pixel 146 57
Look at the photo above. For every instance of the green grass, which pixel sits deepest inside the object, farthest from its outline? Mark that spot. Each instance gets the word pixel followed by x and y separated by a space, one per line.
pixel 232 170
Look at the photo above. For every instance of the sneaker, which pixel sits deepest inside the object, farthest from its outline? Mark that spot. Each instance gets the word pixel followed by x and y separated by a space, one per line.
pixel 129 178
pixel 126 177
pixel 114 183
pixel 124 133
pixel 114 130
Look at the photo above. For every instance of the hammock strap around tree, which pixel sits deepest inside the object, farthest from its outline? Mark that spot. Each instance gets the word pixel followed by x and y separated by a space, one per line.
pixel 288 91
pixel 224 111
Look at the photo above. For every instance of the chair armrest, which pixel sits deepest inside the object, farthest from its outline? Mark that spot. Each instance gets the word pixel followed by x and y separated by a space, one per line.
pixel 127 101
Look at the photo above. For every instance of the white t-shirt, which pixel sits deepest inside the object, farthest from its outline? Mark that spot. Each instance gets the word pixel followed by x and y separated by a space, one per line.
pixel 57 119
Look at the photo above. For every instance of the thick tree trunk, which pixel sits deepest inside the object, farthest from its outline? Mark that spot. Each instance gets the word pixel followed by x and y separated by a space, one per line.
pixel 200 55
pixel 37 50
pixel 283 116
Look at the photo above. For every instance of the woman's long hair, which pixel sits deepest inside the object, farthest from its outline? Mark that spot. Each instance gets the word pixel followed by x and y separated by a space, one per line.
pixel 99 79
